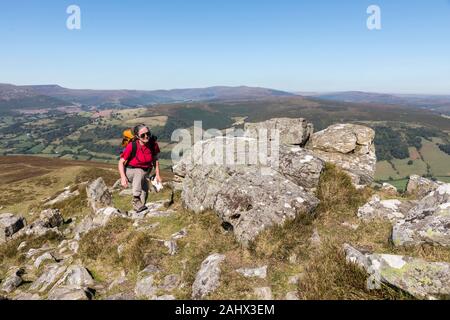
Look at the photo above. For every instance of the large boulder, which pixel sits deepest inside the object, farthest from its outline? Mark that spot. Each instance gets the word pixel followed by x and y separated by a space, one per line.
pixel 146 288
pixel 427 222
pixel 69 293
pixel 13 279
pixel 49 276
pixel 9 225
pixel 392 209
pixel 420 187
pixel 98 195
pixel 49 221
pixel 291 131
pixel 249 198
pixel 419 278
pixel 350 147
pixel 208 277
pixel 51 218
pixel 76 275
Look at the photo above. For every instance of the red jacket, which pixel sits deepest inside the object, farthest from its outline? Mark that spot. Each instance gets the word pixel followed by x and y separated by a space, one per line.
pixel 144 156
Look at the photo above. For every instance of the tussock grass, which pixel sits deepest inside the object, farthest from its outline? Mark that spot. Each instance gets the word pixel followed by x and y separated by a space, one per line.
pixel 337 194
pixel 101 243
pixel 329 277
pixel 10 256
pixel 280 242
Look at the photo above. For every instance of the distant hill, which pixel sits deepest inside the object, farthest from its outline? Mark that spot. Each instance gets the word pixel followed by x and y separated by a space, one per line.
pixel 438 103
pixel 52 96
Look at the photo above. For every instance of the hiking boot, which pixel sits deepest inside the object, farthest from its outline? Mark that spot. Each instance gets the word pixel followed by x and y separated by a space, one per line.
pixel 137 205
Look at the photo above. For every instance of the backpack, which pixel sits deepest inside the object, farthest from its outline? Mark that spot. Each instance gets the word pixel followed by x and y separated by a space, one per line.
pixel 128 136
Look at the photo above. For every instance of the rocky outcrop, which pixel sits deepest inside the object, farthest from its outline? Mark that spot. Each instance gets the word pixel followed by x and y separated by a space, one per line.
pixel 249 198
pixel 291 131
pixel 98 195
pixel 208 277
pixel 392 209
pixel 13 279
pixel 145 288
pixel 49 221
pixel 427 222
pixel 69 293
pixel 350 147
pixel 420 187
pixel 419 278
pixel 9 225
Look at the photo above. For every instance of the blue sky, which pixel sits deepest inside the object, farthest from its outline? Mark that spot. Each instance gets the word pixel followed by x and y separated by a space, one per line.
pixel 321 45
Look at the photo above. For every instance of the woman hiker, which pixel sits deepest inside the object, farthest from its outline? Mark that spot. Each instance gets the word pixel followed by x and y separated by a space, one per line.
pixel 135 164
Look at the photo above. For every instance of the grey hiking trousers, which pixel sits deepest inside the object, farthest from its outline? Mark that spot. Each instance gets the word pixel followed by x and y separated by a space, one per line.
pixel 139 180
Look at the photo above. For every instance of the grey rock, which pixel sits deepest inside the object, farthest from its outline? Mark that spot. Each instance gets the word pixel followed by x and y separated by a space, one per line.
pixel 420 278
pixel 260 272
pixel 149 270
pixel 67 194
pixel 27 296
pixel 420 186
pixel 292 295
pixel 41 259
pixel 83 227
pixel 427 222
pixel 9 225
pixel 179 235
pixel 118 282
pixel 13 279
pixel 208 277
pixel 172 246
pixel 117 185
pixel 51 218
pixel 48 277
pixel 145 288
pixel 263 293
pixel 350 147
pixel 68 293
pixel 392 210
pixel 22 245
pixel 121 296
pixel 389 188
pixel 291 131
pixel 244 198
pixel 299 165
pixel 98 195
pixel 76 275
pixel 104 215
pixel 171 282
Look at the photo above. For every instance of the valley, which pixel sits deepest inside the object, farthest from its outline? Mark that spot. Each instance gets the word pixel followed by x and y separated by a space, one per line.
pixel 409 140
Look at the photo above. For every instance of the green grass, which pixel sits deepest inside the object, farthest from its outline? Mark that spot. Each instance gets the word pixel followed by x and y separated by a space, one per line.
pixel 438 160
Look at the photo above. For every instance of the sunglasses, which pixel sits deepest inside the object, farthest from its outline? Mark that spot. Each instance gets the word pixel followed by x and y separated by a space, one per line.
pixel 142 136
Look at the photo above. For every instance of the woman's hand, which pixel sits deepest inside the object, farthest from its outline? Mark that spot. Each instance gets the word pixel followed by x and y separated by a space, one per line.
pixel 124 182
pixel 158 178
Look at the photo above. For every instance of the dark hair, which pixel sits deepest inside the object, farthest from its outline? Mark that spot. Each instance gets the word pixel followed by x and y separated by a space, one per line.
pixel 138 128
